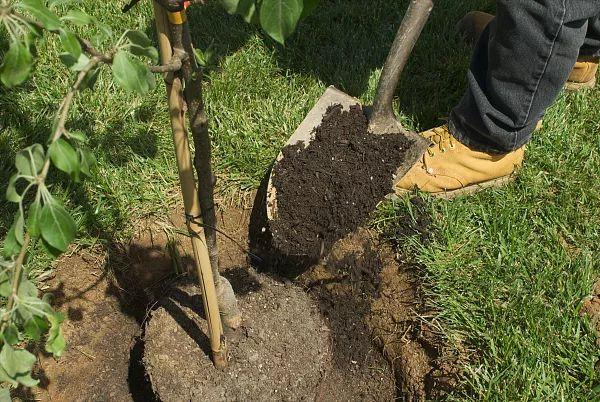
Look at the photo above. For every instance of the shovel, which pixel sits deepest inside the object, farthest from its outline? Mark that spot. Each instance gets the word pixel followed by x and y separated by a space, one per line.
pixel 381 116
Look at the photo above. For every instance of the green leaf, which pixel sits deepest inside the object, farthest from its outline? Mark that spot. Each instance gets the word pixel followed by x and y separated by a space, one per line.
pixel 230 5
pixel 87 161
pixel 30 38
pixel 140 45
pixel 11 334
pixel 64 157
pixel 14 237
pixel 105 31
pixel 205 58
pixel 19 227
pixel 48 249
pixel 131 74
pixel 78 135
pixel 138 38
pixel 33 218
pixel 90 79
pixel 245 8
pixel 74 64
pixel 39 10
pixel 16 361
pixel 309 7
pixel 279 17
pixel 4 377
pixel 56 341
pixel 78 17
pixel 11 191
pixel 27 289
pixel 5 395
pixel 27 380
pixel 34 30
pixel 5 285
pixel 35 327
pixel 70 43
pixel 17 64
pixel 200 59
pixel 30 161
pixel 57 226
pixel 23 313
pixel 149 52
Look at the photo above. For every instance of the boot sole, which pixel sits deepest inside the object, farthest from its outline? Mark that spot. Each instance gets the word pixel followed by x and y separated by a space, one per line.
pixel 468 190
pixel 576 86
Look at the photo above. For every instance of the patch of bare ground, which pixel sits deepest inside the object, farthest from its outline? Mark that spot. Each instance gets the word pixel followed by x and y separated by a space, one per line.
pixel 368 295
pixel 362 299
pixel 591 309
pixel 105 294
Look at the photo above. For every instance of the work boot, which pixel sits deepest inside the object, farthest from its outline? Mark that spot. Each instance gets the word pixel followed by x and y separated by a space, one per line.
pixel 449 168
pixel 584 71
pixel 583 74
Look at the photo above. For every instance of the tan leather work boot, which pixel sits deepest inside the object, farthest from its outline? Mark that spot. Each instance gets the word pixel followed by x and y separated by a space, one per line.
pixel 583 74
pixel 449 168
pixel 584 71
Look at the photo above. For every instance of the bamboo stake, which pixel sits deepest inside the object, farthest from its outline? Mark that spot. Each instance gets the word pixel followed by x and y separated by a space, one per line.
pixel 190 199
pixel 192 75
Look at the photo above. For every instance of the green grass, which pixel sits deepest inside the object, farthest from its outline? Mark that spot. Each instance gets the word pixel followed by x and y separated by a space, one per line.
pixel 507 268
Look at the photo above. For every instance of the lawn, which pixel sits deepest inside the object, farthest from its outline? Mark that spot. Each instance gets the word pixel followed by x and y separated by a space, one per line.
pixel 506 269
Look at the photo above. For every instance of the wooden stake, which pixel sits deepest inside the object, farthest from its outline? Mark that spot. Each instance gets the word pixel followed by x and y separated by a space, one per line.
pixel 190 198
pixel 181 43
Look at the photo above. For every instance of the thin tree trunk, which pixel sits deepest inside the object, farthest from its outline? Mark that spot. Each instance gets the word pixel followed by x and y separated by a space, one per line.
pixel 202 162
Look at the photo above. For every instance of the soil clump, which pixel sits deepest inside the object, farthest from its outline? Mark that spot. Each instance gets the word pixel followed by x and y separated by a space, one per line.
pixel 329 187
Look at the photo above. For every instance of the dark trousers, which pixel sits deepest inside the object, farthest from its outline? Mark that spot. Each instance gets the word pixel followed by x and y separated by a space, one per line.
pixel 520 64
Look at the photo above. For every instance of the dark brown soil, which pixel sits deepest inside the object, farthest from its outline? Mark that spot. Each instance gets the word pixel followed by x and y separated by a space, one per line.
pixel 328 188
pixel 104 306
pixel 367 295
pixel 361 293
pixel 281 352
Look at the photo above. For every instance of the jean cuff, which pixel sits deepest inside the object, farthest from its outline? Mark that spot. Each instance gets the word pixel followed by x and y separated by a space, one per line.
pixel 461 135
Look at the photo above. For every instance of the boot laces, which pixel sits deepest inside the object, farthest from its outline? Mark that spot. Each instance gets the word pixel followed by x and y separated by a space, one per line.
pixel 441 139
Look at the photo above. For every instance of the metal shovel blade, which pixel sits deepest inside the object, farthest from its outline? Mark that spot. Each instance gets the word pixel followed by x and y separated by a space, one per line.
pixel 305 133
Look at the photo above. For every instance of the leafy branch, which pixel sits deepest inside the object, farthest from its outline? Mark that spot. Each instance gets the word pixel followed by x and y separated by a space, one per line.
pixel 278 18
pixel 41 218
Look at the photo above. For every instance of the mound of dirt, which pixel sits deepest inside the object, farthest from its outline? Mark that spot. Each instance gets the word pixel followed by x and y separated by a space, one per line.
pixel 367 295
pixel 281 352
pixel 360 293
pixel 328 188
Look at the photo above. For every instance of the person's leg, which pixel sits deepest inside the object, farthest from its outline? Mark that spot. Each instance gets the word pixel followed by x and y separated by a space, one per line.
pixel 520 64
pixel 591 44
pixel 583 74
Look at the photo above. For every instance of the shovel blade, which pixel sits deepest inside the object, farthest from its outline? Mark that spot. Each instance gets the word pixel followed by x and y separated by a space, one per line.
pixel 305 133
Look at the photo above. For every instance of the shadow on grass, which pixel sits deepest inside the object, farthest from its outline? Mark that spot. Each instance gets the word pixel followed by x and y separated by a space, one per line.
pixel 345 41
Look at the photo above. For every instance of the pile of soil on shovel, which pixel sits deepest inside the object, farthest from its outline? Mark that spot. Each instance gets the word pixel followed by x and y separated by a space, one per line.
pixel 328 188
